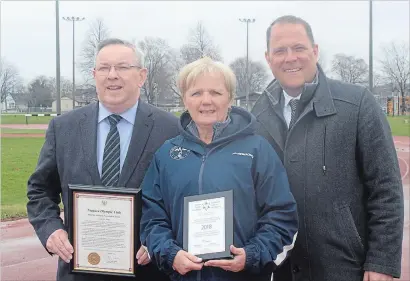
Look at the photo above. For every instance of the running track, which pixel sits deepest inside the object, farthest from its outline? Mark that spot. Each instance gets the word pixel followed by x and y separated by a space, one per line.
pixel 22 256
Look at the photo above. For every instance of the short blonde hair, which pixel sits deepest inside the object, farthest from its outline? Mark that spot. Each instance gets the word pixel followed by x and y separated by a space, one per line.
pixel 190 73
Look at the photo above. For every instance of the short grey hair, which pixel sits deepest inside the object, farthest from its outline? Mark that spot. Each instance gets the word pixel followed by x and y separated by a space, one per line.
pixel 293 20
pixel 116 41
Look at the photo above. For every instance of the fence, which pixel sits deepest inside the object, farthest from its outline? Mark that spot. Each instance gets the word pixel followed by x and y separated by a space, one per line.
pixel 40 114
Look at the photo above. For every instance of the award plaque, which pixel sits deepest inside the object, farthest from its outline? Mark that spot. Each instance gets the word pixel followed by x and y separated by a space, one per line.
pixel 208 225
pixel 104 229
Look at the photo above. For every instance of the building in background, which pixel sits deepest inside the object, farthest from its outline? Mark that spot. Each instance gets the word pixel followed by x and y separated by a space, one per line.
pixel 253 97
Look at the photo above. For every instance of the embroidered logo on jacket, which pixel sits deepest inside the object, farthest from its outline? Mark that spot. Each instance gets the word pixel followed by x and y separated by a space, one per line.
pixel 243 154
pixel 178 153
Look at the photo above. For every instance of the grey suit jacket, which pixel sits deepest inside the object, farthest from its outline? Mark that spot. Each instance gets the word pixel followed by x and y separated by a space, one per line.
pixel 69 156
pixel 344 174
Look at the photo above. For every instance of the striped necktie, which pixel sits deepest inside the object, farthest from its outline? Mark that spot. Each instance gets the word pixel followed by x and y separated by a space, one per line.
pixel 293 115
pixel 111 158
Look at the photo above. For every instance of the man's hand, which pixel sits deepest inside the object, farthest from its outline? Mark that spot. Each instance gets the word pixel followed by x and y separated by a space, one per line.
pixel 142 256
pixel 374 276
pixel 58 244
pixel 236 264
pixel 185 262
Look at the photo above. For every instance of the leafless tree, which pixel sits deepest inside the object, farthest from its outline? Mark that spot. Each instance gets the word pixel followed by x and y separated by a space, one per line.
pixel 396 69
pixel 157 57
pixel 177 62
pixel 96 33
pixel 323 60
pixel 66 87
pixel 378 79
pixel 199 45
pixel 350 69
pixel 40 92
pixel 258 76
pixel 10 81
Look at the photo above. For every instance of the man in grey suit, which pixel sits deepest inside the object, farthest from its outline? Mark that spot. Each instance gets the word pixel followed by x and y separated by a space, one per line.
pixel 108 143
pixel 338 151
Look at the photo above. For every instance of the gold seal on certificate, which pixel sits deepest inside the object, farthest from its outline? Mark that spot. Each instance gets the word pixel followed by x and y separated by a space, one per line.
pixel 208 225
pixel 94 258
pixel 104 229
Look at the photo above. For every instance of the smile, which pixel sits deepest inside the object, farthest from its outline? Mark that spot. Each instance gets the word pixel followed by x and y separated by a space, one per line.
pixel 293 70
pixel 207 111
pixel 114 87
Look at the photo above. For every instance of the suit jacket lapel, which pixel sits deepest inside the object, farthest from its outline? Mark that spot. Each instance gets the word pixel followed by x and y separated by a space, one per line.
pixel 88 128
pixel 277 130
pixel 142 128
pixel 321 101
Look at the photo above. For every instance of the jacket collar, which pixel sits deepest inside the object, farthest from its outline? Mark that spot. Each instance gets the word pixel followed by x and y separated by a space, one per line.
pixel 241 123
pixel 318 96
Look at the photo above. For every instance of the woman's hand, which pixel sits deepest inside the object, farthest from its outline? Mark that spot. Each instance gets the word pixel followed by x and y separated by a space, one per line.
pixel 185 262
pixel 235 265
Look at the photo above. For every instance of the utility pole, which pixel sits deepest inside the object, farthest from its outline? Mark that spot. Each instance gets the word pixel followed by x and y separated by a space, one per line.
pixel 247 21
pixel 58 58
pixel 73 19
pixel 371 45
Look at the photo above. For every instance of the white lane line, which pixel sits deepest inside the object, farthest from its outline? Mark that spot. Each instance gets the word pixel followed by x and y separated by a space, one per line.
pixel 407 168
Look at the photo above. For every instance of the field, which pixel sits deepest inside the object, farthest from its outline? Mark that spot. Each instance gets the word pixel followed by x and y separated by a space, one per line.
pixel 18 160
pixel 19 157
pixel 399 126
pixel 21 119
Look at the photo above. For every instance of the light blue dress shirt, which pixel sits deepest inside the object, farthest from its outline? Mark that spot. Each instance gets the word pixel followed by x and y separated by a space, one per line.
pixel 125 128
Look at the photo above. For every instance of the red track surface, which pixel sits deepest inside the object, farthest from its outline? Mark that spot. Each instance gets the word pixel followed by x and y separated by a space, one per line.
pixel 22 255
pixel 23 126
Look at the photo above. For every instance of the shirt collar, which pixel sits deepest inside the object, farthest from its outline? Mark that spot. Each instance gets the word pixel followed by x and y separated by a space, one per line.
pixel 289 98
pixel 128 115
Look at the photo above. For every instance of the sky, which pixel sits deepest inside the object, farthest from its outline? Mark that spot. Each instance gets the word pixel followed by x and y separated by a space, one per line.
pixel 28 30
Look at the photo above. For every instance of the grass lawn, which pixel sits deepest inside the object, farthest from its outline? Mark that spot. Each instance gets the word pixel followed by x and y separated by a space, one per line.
pixel 21 131
pixel 18 160
pixel 398 125
pixel 21 119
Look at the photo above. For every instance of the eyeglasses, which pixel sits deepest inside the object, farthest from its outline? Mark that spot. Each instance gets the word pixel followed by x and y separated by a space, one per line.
pixel 120 69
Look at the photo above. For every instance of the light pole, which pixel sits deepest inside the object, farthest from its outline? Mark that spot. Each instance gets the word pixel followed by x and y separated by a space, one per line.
pixel 371 45
pixel 247 21
pixel 73 19
pixel 58 58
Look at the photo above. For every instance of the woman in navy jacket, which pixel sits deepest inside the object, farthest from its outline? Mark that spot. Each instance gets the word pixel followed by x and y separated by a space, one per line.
pixel 217 150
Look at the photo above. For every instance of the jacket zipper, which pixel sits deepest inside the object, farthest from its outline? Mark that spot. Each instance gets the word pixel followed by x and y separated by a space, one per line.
pixel 201 171
pixel 324 152
pixel 200 183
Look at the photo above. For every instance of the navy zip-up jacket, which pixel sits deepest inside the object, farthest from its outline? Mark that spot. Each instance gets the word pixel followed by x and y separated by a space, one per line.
pixel 265 214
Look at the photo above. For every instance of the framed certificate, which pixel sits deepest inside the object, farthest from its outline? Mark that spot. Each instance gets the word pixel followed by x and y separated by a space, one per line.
pixel 208 225
pixel 104 229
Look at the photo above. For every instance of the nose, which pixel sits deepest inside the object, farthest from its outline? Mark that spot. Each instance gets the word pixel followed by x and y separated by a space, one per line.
pixel 290 55
pixel 206 98
pixel 112 74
